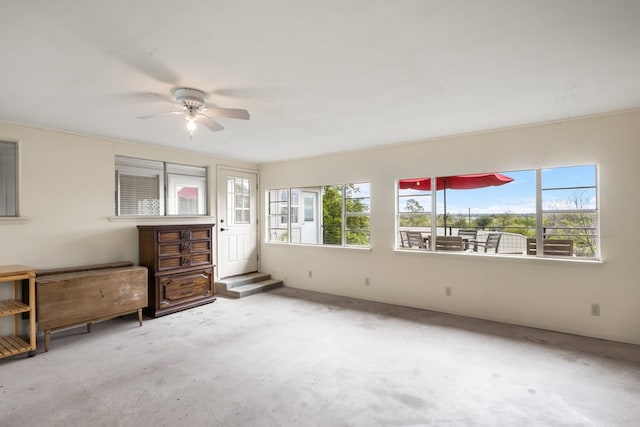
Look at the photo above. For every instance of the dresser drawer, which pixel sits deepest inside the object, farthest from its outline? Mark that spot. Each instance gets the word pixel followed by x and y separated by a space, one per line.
pixel 184 235
pixel 177 248
pixel 180 261
pixel 181 288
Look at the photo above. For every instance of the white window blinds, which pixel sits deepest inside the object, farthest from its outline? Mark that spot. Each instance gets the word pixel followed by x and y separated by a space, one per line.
pixel 140 186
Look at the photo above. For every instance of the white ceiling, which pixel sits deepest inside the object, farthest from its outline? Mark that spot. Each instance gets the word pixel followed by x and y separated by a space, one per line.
pixel 316 76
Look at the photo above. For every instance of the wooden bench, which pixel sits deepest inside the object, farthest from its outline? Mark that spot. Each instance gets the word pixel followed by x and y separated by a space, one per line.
pixel 553 247
pixel 72 296
pixel 449 243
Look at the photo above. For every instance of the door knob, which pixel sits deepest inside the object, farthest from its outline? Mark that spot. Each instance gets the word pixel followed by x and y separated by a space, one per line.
pixel 223 229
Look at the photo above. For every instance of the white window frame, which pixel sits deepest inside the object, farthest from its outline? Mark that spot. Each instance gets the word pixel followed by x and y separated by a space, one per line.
pixel 9 179
pixel 273 235
pixel 539 214
pixel 170 177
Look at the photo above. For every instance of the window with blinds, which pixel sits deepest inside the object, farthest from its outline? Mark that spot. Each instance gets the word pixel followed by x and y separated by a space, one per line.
pixel 8 179
pixel 141 189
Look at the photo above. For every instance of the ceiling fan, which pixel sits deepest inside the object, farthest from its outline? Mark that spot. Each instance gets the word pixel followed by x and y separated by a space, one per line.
pixel 194 109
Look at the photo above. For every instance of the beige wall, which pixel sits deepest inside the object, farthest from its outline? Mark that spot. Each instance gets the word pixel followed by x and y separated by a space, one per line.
pixel 67 198
pixel 67 190
pixel 548 294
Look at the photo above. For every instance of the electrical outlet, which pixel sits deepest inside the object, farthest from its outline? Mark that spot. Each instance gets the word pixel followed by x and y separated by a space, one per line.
pixel 595 309
pixel 448 291
pixel 310 273
pixel 366 281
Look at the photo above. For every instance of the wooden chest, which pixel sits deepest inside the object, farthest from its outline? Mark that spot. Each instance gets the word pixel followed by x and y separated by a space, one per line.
pixel 66 299
pixel 180 263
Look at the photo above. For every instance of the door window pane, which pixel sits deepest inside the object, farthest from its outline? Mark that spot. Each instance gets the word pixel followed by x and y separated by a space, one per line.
pixel 238 200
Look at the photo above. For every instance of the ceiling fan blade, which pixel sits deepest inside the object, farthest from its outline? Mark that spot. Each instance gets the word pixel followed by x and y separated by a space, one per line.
pixel 240 92
pixel 232 113
pixel 209 122
pixel 153 116
pixel 147 64
pixel 149 97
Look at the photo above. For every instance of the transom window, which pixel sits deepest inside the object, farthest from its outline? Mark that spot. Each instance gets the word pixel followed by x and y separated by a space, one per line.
pixel 502 213
pixel 153 188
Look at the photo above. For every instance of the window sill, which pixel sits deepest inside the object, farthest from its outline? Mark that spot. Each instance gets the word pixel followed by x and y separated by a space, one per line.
pixel 170 218
pixel 11 220
pixel 332 247
pixel 518 257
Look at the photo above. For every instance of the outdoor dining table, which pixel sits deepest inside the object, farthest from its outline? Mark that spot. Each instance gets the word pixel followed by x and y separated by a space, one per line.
pixel 466 241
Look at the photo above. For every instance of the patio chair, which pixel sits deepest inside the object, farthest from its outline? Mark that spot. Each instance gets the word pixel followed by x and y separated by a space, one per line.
pixel 470 237
pixel 492 242
pixel 553 247
pixel 415 240
pixel 404 240
pixel 449 243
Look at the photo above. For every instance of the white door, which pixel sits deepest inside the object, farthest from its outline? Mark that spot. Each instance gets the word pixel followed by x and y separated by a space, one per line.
pixel 237 223
pixel 309 217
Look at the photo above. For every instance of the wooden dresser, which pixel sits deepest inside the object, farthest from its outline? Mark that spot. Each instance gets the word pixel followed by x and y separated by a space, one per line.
pixel 180 263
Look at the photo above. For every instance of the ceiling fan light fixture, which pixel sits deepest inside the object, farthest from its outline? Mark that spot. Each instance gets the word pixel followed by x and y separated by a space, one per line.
pixel 193 107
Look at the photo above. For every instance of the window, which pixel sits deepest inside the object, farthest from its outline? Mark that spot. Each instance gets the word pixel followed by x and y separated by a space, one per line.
pixel 569 208
pixel 141 190
pixel 324 215
pixel 8 179
pixel 238 202
pixel 278 215
pixel 553 208
pixel 357 210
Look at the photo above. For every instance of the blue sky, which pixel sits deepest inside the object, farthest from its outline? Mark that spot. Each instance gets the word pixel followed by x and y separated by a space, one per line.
pixel 519 196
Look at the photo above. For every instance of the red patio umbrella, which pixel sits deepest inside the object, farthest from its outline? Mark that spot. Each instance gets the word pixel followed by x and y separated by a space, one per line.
pixel 456 182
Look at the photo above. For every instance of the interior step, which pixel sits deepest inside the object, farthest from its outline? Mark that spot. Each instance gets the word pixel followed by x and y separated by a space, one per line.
pixel 246 284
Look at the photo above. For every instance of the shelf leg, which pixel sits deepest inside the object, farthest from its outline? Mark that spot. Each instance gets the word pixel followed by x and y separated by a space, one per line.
pixel 32 313
pixel 140 316
pixel 16 318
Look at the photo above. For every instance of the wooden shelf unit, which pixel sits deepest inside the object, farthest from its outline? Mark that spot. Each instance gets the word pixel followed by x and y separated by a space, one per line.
pixel 13 344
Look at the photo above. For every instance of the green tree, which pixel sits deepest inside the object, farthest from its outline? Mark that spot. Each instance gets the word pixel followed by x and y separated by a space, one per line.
pixel 578 226
pixel 414 215
pixel 523 224
pixel 458 221
pixel 332 214
pixel 357 229
pixel 413 205
pixel 484 221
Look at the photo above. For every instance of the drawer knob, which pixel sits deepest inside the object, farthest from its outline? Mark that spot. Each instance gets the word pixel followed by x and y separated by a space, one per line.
pixel 186 235
pixel 186 247
pixel 186 261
